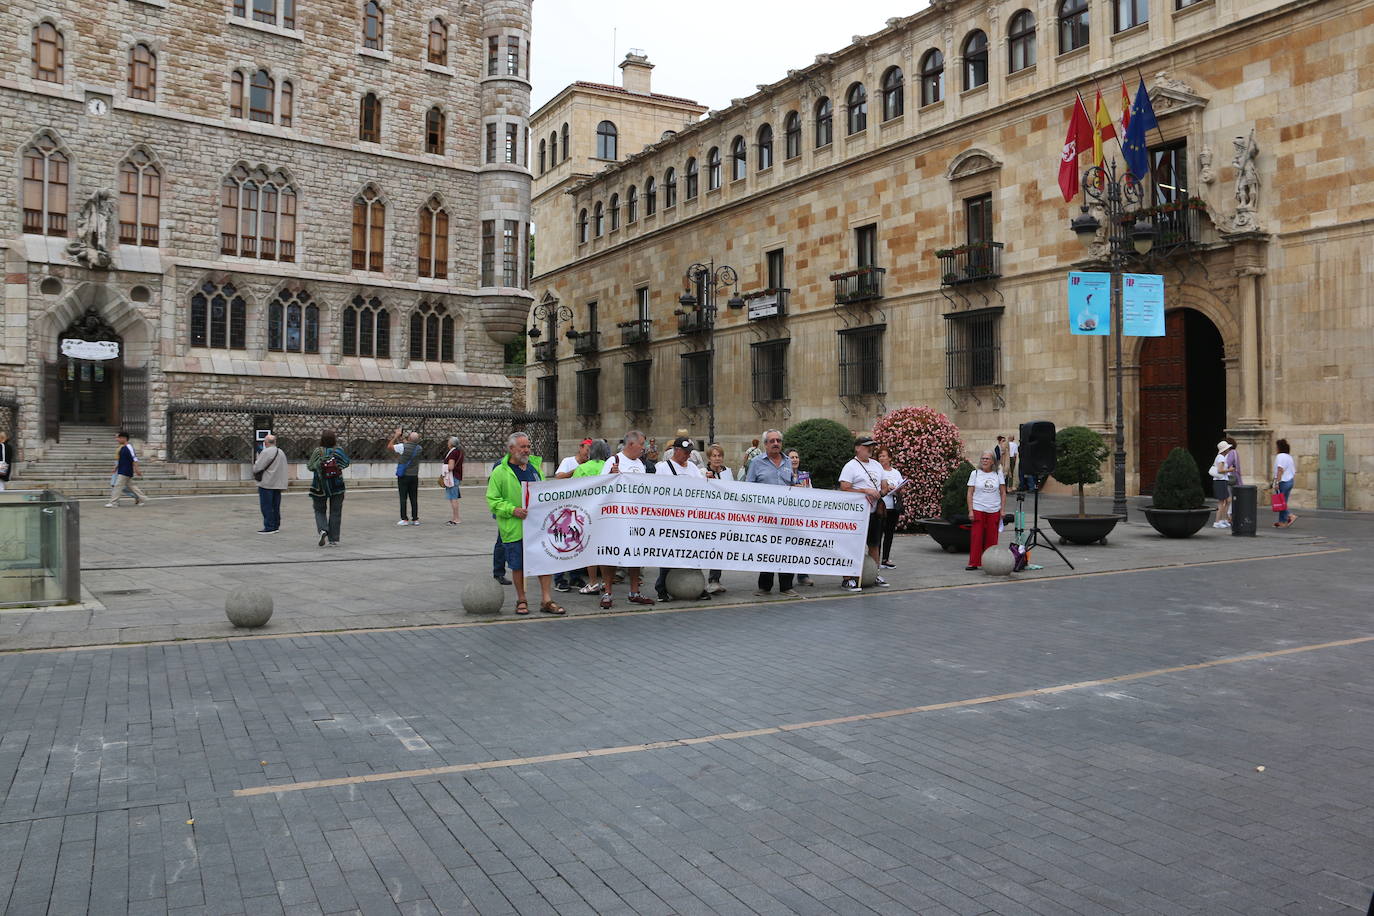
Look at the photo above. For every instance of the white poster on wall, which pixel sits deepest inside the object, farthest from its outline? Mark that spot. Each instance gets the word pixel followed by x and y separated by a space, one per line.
pixel 90 349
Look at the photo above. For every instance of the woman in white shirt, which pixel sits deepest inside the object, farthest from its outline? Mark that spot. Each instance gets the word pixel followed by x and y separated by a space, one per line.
pixel 716 470
pixel 894 480
pixel 987 500
pixel 1284 473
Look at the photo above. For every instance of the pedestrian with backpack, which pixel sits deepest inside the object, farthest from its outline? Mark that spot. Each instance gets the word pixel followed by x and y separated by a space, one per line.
pixel 327 462
pixel 407 474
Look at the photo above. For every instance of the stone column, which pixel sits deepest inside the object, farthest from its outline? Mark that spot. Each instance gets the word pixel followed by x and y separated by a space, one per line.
pixel 1250 429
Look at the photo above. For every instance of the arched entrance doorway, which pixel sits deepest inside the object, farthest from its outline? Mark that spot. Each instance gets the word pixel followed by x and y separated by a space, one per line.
pixel 1182 393
pixel 90 363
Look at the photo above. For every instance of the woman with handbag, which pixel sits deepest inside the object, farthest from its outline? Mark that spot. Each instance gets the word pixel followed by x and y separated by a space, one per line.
pixel 1225 473
pixel 451 479
pixel 892 500
pixel 1284 474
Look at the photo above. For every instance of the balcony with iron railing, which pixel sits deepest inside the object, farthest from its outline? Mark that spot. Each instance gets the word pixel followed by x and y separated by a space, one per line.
pixel 862 284
pixel 546 351
pixel 766 303
pixel 1177 224
pixel 634 332
pixel 585 343
pixel 970 263
pixel 697 320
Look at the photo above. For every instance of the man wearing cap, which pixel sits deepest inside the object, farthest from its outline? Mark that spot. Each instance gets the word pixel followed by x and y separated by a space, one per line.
pixel 561 581
pixel 678 464
pixel 864 475
pixel 773 468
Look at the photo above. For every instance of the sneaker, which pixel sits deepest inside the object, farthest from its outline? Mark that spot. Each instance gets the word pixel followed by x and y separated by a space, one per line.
pixel 333 543
pixel 1226 524
pixel 887 564
pixel 713 587
pixel 266 530
pixel 562 587
pixel 415 521
pixel 640 599
pixel 789 593
pixel 606 602
pixel 577 583
pixel 971 569
pixel 139 502
pixel 451 523
pixel 402 523
pixel 806 581
pixel 112 505
pixel 664 596
pixel 761 593
pixel 590 589
pixel 882 583
pixel 502 579
pixel 852 585
pixel 324 536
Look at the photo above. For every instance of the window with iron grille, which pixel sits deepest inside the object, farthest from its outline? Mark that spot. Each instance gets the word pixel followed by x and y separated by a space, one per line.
pixel 861 361
pixel 366 328
pixel 588 392
pixel 637 385
pixel 218 317
pixel 547 394
pixel 973 348
pixel 488 252
pixel 696 379
pixel 769 364
pixel 431 333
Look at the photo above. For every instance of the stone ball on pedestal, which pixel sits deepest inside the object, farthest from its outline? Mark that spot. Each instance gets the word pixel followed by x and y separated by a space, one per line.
pixel 248 607
pixel 483 595
pixel 686 584
pixel 870 573
pixel 997 560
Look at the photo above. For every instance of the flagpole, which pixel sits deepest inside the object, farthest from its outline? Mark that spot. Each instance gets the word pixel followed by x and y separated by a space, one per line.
pixel 1158 129
pixel 1115 136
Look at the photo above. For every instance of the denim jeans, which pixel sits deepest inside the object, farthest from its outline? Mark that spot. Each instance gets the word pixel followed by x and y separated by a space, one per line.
pixel 332 521
pixel 1285 487
pixel 269 501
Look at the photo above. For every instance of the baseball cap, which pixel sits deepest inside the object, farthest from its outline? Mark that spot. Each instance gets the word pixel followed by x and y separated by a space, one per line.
pixel 682 442
pixel 587 441
pixel 865 440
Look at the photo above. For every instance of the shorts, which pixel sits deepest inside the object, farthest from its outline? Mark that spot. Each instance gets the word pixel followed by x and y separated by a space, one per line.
pixel 515 555
pixel 875 530
pixel 1221 489
pixel 452 492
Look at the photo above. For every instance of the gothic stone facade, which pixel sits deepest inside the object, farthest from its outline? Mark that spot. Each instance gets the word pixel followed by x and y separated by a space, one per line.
pixel 321 162
pixel 1269 306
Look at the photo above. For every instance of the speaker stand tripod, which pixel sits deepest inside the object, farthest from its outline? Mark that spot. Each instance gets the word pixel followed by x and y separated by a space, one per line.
pixel 1037 537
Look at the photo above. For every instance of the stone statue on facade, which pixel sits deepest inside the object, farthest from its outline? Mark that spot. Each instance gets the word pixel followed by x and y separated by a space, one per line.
pixel 1204 165
pixel 91 246
pixel 1247 185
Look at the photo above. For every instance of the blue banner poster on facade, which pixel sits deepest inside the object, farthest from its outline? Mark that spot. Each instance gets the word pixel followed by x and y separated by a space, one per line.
pixel 1090 303
pixel 1142 305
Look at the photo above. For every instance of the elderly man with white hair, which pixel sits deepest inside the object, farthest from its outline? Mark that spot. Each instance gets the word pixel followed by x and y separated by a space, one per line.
pixel 506 499
pixel 271 472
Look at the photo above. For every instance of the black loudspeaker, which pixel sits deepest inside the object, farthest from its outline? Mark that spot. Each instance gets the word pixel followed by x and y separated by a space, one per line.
pixel 1037 449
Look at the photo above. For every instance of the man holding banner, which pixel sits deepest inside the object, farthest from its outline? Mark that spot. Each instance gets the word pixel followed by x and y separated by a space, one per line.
pixel 679 464
pixel 772 468
pixel 506 497
pixel 627 461
pixel 864 475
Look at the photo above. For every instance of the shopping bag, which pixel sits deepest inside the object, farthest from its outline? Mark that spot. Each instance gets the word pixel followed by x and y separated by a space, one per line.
pixel 1277 502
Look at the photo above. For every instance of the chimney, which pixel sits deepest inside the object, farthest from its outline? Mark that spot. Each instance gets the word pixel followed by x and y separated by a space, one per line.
pixel 635 71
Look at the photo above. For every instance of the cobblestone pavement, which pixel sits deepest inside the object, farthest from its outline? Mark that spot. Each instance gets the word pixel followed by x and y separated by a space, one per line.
pixel 1084 745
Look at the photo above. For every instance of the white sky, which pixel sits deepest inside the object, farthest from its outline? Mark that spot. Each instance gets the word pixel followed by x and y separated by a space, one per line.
pixel 707 50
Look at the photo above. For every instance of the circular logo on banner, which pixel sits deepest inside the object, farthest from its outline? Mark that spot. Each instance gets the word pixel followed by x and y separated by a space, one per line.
pixel 567 532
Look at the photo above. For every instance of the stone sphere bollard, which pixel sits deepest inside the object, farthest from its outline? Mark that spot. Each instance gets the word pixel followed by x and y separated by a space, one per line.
pixel 248 607
pixel 997 561
pixel 870 573
pixel 483 595
pixel 686 584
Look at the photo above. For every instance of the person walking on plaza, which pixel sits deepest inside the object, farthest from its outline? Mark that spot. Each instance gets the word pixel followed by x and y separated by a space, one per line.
pixel 1013 450
pixel 773 467
pixel 626 461
pixel 271 470
pixel 1225 473
pixel 678 464
pixel 864 475
pixel 803 479
pixel 1284 474
pixel 987 500
pixel 715 470
pixel 326 464
pixel 6 459
pixel 891 505
pixel 452 479
pixel 125 470
pixel 506 498
pixel 407 474
pixel 598 453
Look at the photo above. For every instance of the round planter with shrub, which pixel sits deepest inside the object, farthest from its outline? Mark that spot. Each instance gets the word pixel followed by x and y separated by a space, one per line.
pixel 1179 508
pixel 1078 456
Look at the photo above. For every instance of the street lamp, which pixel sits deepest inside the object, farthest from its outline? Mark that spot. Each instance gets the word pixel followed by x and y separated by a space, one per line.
pixel 707 277
pixel 1120 197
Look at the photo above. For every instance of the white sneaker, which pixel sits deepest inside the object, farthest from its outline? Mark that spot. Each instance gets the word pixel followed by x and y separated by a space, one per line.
pixel 713 587
pixel 851 585
pixel 415 521
pixel 112 505
pixel 882 583
pixel 402 523
pixel 1226 524
pixel 1218 524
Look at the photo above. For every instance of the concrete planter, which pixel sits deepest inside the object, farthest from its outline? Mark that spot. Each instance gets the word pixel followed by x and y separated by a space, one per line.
pixel 1178 523
pixel 1086 529
pixel 953 537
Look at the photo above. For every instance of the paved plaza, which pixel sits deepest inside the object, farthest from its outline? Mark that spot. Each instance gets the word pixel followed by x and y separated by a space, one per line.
pixel 1179 728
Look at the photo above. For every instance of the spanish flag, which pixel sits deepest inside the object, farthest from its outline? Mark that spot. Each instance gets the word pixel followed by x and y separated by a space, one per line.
pixel 1103 128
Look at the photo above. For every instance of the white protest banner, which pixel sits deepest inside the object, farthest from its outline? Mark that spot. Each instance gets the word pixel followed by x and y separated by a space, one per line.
pixel 692 523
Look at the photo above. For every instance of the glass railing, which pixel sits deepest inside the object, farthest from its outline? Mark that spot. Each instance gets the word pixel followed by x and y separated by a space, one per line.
pixel 40 549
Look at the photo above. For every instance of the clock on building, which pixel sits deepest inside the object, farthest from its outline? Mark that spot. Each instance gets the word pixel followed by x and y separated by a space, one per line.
pixel 97 106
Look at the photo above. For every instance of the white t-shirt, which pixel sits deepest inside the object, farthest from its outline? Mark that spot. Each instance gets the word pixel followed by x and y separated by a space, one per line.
pixel 627 465
pixel 691 470
pixel 723 474
pixel 1213 472
pixel 1014 448
pixel 1284 462
pixel 893 477
pixel 986 484
pixel 569 465
pixel 867 475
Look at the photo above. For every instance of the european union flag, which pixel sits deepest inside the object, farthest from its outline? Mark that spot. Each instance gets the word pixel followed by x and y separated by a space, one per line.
pixel 1134 148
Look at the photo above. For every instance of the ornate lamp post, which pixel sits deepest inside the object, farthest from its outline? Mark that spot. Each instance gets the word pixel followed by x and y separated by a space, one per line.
pixel 1120 197
pixel 551 313
pixel 707 277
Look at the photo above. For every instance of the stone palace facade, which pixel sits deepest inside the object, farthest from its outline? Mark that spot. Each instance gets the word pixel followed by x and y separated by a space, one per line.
pixel 893 214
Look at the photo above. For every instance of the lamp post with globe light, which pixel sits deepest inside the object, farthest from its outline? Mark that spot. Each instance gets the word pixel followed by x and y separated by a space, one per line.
pixel 706 278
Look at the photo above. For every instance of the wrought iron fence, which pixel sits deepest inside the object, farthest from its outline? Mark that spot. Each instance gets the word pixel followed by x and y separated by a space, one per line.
pixel 225 432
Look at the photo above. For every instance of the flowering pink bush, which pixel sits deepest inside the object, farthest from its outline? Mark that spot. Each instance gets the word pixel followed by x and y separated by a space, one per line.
pixel 925 447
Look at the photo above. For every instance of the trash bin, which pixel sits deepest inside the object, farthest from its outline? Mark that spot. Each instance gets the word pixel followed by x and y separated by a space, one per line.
pixel 1243 507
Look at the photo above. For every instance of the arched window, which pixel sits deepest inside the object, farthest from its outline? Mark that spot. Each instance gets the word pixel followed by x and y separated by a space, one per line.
pixel 691 179
pixel 582 226
pixel 236 94
pixel 1021 41
pixel 288 98
pixel 631 205
pixel 370 119
pixel 366 328
pixel 219 317
pixel 434 131
pixel 606 140
pixel 431 333
pixel 49 52
pixel 433 239
pixel 670 188
pixel 598 220
pixel 553 149
pixel 975 59
pixel 1073 25
pixel 293 323
pixel 563 131
pixel 543 153
pixel 369 230
pixel 739 158
pixel 825 122
pixel 932 77
pixel 261 93
pixel 614 210
pixel 140 190
pixel 257 216
pixel 894 93
pixel 374 21
pixel 45 188
pixel 713 169
pixel 856 108
pixel 650 196
pixel 142 72
pixel 438 42
pixel 765 140
pixel 791 131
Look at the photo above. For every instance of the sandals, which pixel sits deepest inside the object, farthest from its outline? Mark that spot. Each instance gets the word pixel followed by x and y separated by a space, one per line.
pixel 551 607
pixel 522 604
pixel 590 589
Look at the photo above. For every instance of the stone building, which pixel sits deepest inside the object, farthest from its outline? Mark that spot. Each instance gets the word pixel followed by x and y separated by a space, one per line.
pixel 286 202
pixel 893 214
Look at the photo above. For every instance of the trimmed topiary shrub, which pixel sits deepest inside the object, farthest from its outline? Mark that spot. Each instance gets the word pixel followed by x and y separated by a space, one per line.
pixel 925 447
pixel 1177 485
pixel 954 498
pixel 824 445
pixel 1078 456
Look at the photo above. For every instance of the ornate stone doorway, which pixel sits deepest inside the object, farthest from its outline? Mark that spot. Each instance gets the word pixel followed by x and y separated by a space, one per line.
pixel 89 370
pixel 1182 394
